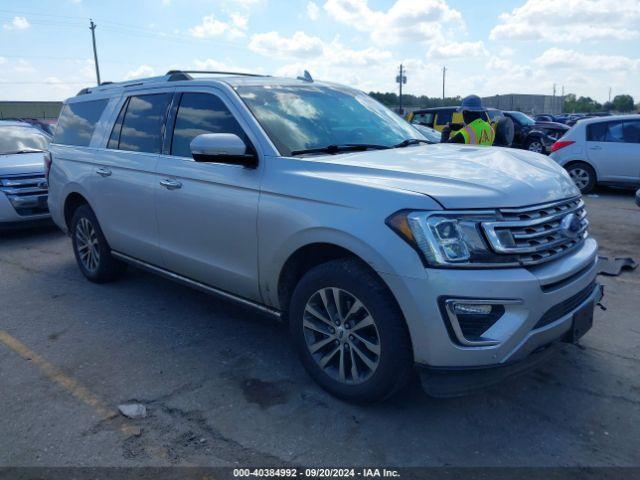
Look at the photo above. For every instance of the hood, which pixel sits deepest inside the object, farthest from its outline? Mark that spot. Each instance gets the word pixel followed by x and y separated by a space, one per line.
pixel 551 126
pixel 22 163
pixel 460 176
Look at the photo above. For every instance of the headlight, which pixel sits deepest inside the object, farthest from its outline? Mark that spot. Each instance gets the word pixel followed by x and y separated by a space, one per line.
pixel 448 239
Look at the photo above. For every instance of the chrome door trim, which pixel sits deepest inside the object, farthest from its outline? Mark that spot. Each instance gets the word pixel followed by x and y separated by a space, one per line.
pixel 195 284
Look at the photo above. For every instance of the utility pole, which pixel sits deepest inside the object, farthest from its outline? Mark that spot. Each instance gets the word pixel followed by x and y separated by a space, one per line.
pixel 554 89
pixel 401 79
pixel 609 94
pixel 444 73
pixel 92 27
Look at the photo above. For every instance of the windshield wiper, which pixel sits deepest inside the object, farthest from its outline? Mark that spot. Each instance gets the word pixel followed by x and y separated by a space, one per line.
pixel 411 141
pixel 345 147
pixel 18 152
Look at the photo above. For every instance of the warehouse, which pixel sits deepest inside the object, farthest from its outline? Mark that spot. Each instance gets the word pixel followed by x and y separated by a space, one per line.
pixel 532 104
pixel 39 110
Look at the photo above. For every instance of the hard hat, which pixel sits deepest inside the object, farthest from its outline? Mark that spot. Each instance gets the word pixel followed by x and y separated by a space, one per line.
pixel 472 103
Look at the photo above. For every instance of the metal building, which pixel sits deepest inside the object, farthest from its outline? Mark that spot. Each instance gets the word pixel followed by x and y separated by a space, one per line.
pixel 531 104
pixel 39 110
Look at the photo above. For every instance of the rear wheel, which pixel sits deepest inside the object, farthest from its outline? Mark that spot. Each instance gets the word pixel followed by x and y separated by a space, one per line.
pixel 349 332
pixel 583 176
pixel 91 249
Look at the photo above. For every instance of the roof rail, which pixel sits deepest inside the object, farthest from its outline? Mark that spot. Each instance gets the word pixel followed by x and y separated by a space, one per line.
pixel 171 76
pixel 185 74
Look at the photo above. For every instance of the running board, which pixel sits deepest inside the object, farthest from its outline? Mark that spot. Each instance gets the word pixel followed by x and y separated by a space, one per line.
pixel 194 284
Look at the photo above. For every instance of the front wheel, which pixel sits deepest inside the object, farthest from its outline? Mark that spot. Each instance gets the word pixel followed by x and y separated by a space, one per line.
pixel 350 333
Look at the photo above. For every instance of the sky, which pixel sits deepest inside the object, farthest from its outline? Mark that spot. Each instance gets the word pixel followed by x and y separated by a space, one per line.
pixel 586 47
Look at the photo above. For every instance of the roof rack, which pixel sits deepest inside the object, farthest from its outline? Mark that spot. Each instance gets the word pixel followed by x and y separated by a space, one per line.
pixel 171 76
pixel 175 75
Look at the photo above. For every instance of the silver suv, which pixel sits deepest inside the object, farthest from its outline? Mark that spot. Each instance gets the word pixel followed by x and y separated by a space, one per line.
pixel 312 202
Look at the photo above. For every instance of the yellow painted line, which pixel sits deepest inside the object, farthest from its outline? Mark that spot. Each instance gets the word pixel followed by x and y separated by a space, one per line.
pixel 58 376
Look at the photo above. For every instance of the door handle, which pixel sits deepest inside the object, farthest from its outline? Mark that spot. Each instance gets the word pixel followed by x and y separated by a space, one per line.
pixel 170 184
pixel 103 172
pixel 595 147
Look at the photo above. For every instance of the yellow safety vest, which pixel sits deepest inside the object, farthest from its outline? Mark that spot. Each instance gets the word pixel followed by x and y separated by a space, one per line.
pixel 477 132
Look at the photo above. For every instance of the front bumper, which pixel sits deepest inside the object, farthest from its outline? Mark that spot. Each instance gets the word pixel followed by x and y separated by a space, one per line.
pixel 10 218
pixel 539 293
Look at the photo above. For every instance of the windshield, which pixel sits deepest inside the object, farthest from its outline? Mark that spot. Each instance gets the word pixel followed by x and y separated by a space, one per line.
pixel 522 118
pixel 15 139
pixel 302 117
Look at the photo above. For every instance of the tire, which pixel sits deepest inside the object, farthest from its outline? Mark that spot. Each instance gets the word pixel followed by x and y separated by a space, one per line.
pixel 351 337
pixel 535 145
pixel 93 256
pixel 583 176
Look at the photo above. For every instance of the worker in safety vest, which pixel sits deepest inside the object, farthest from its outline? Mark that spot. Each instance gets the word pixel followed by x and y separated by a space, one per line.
pixel 476 129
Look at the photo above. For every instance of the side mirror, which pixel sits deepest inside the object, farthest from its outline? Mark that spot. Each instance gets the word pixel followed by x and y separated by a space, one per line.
pixel 222 148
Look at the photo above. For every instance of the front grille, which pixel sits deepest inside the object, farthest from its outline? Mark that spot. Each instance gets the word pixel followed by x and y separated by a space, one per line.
pixel 538 234
pixel 27 193
pixel 567 306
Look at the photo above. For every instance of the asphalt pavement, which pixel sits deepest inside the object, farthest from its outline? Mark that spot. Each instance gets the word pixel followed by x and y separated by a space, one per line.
pixel 223 387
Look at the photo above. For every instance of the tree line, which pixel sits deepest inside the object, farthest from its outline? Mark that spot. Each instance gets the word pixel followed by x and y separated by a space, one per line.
pixel 572 104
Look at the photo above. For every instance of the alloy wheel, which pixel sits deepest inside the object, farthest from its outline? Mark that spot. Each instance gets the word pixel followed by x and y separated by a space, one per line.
pixel 341 335
pixel 536 147
pixel 580 177
pixel 87 244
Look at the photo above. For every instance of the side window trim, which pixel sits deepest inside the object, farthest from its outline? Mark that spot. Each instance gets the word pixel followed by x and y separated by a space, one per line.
pixel 118 124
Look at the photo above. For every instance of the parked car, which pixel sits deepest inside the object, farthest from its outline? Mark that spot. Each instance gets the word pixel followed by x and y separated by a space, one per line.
pixel 638 197
pixel 532 135
pixel 314 203
pixel 545 118
pixel 23 188
pixel 601 150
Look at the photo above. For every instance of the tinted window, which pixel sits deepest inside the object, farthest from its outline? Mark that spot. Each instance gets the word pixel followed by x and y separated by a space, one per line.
pixel 444 117
pixel 596 132
pixel 200 113
pixel 605 132
pixel 78 121
pixel 142 126
pixel 15 139
pixel 632 131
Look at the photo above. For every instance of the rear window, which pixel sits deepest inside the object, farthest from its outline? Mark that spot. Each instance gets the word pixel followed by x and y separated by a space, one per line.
pixel 632 131
pixel 78 121
pixel 141 128
pixel 423 118
pixel 444 117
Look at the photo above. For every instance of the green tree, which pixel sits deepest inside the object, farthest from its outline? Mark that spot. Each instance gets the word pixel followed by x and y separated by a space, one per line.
pixel 623 103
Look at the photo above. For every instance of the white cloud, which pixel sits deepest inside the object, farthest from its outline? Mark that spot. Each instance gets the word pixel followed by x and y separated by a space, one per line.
pixel 313 11
pixel 558 58
pixel 408 20
pixel 23 66
pixel 300 45
pixel 457 50
pixel 141 72
pixel 18 23
pixel 3 60
pixel 212 27
pixel 570 20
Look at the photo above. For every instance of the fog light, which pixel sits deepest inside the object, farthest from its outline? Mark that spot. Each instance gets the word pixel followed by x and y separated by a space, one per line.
pixel 471 309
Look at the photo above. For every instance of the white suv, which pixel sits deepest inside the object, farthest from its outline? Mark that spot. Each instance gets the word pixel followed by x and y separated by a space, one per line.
pixel 601 150
pixel 312 202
